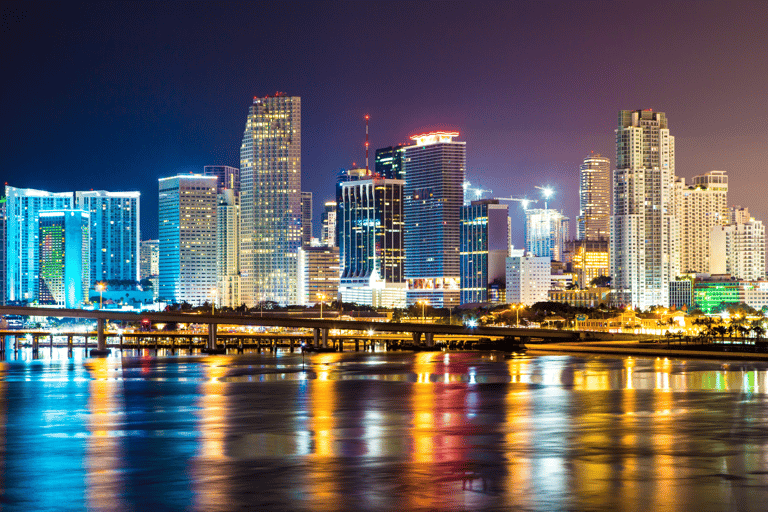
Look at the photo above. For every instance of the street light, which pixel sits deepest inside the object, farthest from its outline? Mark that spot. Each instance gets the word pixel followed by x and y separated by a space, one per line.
pixel 213 301
pixel 322 297
pixel 101 288
pixel 423 303
pixel 517 308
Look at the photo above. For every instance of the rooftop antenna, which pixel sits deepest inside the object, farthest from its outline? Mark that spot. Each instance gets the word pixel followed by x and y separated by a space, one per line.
pixel 367 117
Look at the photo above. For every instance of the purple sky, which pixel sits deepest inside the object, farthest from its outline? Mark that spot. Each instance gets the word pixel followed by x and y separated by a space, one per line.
pixel 114 96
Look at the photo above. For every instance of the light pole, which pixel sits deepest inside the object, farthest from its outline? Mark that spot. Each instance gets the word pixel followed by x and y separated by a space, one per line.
pixel 321 296
pixel 423 305
pixel 213 301
pixel 100 287
pixel 517 308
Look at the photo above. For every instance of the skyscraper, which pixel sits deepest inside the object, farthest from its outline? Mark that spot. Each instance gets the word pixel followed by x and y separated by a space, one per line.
pixel 318 274
pixel 371 242
pixel 228 249
pixel 698 209
pixel 738 248
pixel 484 248
pixel 23 207
pixel 528 278
pixel 435 168
pixel 2 251
pixel 187 217
pixel 149 259
pixel 306 218
pixel 594 198
pixel 546 231
pixel 64 254
pixel 328 235
pixel 114 233
pixel 226 176
pixel 270 200
pixel 389 162
pixel 644 253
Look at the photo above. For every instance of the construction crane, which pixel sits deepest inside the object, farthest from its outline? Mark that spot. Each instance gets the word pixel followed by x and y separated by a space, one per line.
pixel 547 192
pixel 477 191
pixel 522 200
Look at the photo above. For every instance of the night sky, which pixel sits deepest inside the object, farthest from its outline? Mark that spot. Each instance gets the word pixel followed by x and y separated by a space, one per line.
pixel 115 96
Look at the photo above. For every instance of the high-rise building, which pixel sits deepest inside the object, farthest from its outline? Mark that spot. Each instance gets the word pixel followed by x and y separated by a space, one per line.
pixel 228 249
pixel 371 245
pixel 318 274
pixel 484 249
pixel 328 235
pixel 187 217
pixel 64 254
pixel 114 233
pixel 226 176
pixel 306 218
pixel 435 168
pixel 739 250
pixel 389 162
pixel 587 259
pixel 594 198
pixel 528 278
pixel 699 208
pixel 270 200
pixel 546 231
pixel 738 215
pixel 2 251
pixel 149 259
pixel 22 247
pixel 644 253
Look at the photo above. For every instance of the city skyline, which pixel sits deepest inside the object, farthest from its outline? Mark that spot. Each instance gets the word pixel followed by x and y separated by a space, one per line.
pixel 528 126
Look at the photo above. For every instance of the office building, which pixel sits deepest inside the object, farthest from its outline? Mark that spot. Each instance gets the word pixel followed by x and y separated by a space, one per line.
pixel 328 235
pixel 587 298
pixel 114 233
pixel 586 260
pixel 594 222
pixel 226 177
pixel 681 294
pixel 270 200
pixel 435 168
pixel 546 231
pixel 699 208
pixel 306 218
pixel 738 215
pixel 739 250
pixel 22 247
pixel 484 249
pixel 64 253
pixel 644 253
pixel 227 249
pixel 318 274
pixel 528 278
pixel 371 244
pixel 2 251
pixel 389 162
pixel 149 259
pixel 187 218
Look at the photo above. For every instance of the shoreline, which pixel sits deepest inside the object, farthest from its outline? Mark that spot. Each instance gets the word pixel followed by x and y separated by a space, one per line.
pixel 629 348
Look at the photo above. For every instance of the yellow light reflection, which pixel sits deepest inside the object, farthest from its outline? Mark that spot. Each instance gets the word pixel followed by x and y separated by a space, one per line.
pixel 517 437
pixel 323 401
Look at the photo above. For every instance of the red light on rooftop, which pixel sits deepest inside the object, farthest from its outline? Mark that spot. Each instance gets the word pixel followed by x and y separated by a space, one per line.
pixel 434 134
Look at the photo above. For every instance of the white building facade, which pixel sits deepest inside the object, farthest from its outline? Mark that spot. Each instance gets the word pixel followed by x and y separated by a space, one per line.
pixel 528 278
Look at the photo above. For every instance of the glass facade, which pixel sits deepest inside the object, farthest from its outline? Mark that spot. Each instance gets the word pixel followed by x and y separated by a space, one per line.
pixel 389 162
pixel 594 198
pixel 64 266
pixel 484 248
pixel 546 231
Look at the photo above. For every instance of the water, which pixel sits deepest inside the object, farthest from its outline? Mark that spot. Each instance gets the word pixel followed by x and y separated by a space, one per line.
pixel 394 431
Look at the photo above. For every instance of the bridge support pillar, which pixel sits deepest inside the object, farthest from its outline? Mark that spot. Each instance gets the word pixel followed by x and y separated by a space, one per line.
pixel 50 339
pixel 429 338
pixel 291 346
pixel 357 344
pixel 316 340
pixel 416 338
pixel 101 349
pixel 325 338
pixel 35 345
pixel 340 342
pixel 210 346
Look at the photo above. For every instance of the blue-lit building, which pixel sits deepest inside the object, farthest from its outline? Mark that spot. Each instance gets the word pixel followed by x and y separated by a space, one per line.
pixel 435 168
pixel 371 245
pixel 546 231
pixel 187 228
pixel 64 258
pixel 484 249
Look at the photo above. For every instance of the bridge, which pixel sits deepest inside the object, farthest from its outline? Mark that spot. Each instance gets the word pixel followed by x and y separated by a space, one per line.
pixel 320 326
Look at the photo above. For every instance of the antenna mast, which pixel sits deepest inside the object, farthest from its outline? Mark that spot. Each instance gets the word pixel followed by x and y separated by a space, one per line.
pixel 367 171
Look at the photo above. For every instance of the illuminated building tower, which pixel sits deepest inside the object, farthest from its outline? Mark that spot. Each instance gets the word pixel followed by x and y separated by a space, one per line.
pixel 270 200
pixel 228 249
pixel 328 235
pixel 371 248
pixel 306 218
pixel 587 259
pixel 546 231
pixel 343 176
pixel 698 209
pixel 644 252
pixel 594 198
pixel 22 246
pixel 318 274
pixel 227 177
pixel 389 162
pixel 484 248
pixel 187 217
pixel 64 266
pixel 435 168
pixel 2 251
pixel 738 249
pixel 149 264
pixel 114 233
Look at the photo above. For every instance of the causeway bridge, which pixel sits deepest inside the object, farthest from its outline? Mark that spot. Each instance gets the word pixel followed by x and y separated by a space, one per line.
pixel 421 334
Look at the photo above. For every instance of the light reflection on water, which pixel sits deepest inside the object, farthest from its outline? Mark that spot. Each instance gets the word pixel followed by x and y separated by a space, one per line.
pixel 426 431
